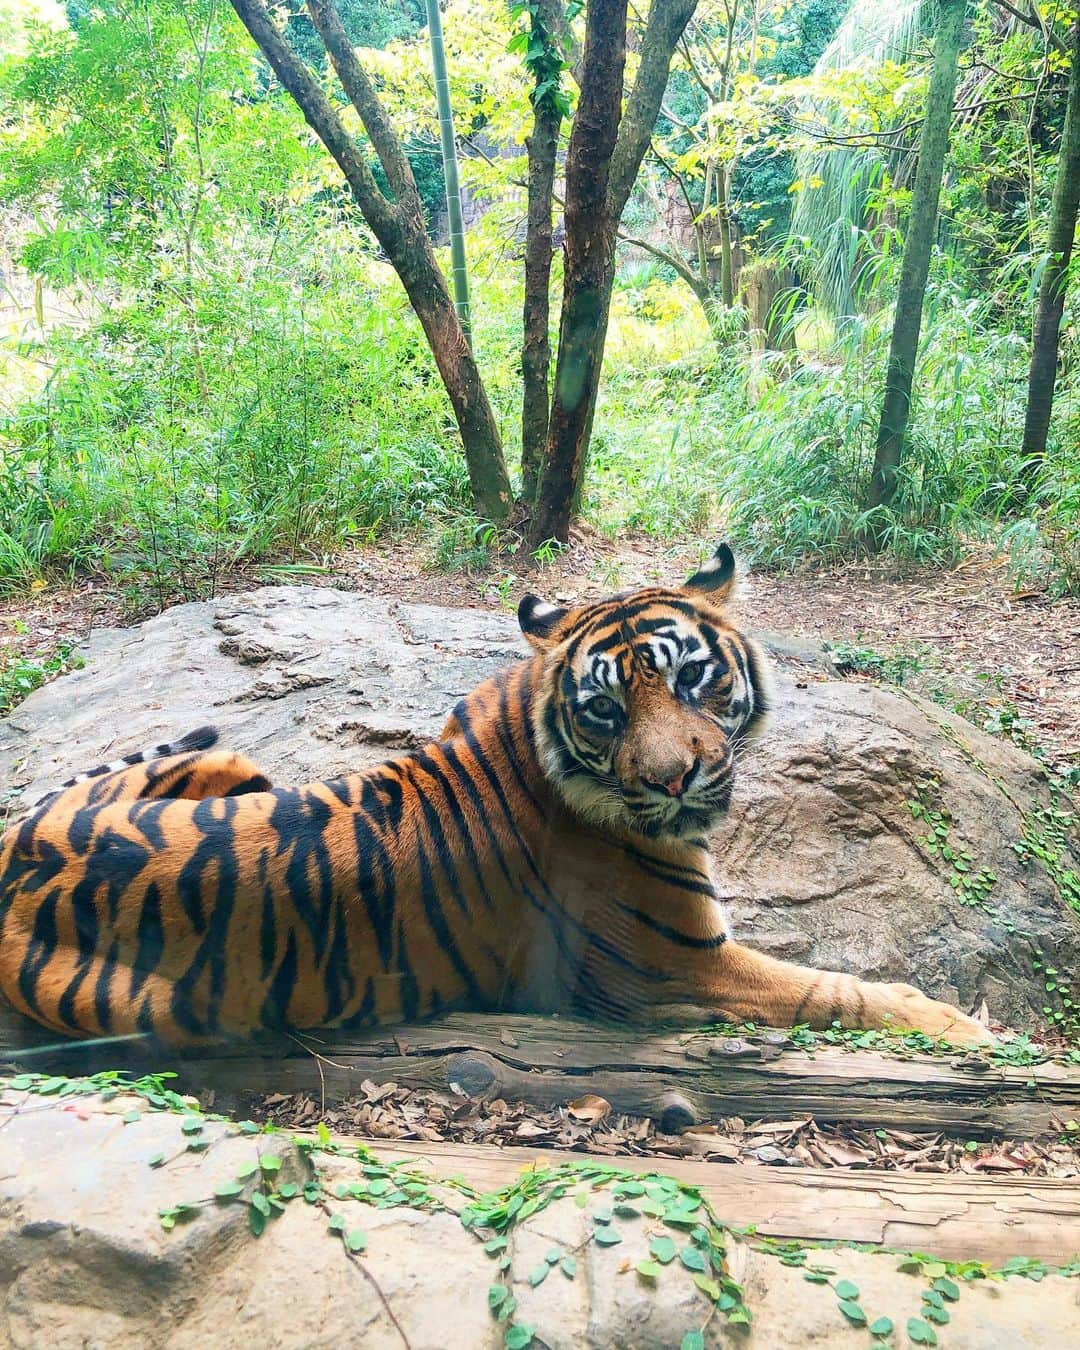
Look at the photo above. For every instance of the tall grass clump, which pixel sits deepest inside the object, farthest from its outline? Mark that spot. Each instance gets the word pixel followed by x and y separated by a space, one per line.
pixel 294 413
pixel 792 471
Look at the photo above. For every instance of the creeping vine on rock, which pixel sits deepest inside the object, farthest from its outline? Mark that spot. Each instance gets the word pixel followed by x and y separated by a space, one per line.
pixel 687 1240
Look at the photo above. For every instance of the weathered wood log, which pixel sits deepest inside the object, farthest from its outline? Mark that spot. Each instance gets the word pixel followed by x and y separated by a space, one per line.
pixel 954 1218
pixel 674 1077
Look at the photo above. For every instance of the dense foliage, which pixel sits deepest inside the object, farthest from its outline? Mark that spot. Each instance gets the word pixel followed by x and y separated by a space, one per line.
pixel 205 359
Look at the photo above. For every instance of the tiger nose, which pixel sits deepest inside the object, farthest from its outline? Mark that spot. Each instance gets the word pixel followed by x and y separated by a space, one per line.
pixel 675 784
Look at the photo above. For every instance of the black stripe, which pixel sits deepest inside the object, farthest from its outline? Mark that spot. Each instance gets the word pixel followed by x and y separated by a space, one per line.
pixel 429 897
pixel 151 941
pixel 102 1005
pixel 431 767
pixel 275 1007
pixel 39 949
pixel 673 934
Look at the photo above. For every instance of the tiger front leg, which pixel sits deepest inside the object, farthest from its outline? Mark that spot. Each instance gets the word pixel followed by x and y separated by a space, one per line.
pixel 749 987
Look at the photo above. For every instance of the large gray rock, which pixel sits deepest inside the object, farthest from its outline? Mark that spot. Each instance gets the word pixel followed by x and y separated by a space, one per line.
pixel 820 858
pixel 85 1262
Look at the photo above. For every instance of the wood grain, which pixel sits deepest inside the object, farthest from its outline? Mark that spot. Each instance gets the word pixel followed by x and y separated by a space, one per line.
pixel 952 1217
pixel 548 1061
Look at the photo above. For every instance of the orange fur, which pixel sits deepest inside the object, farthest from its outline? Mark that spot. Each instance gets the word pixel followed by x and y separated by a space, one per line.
pixel 547 853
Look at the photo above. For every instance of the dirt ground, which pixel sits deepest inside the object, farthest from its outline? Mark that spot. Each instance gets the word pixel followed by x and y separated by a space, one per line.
pixel 963 635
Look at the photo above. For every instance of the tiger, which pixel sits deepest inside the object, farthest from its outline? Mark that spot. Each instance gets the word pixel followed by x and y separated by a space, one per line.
pixel 548 853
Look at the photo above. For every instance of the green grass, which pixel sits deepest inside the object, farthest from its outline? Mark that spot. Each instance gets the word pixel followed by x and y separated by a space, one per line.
pixel 301 415
pixel 21 675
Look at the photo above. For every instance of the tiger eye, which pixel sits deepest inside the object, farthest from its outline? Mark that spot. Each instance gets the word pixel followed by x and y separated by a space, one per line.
pixel 602 706
pixel 690 674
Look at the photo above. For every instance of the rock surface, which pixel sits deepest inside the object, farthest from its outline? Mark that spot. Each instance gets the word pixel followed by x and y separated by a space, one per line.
pixel 85 1261
pixel 820 857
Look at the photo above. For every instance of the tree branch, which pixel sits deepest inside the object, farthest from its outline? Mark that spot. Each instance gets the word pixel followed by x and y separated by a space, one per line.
pixel 667 20
pixel 1034 21
pixel 673 260
pixel 361 94
pixel 381 215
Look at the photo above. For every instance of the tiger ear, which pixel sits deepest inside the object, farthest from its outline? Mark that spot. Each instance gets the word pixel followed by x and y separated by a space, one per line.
pixel 539 621
pixel 717 577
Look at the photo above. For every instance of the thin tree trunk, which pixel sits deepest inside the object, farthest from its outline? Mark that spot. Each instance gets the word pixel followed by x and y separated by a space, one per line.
pixel 602 162
pixel 727 276
pixel 542 146
pixel 459 267
pixel 1042 375
pixel 397 224
pixel 916 262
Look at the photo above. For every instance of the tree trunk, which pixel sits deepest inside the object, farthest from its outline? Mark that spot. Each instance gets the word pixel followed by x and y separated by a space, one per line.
pixel 1063 211
pixel 399 227
pixel 602 162
pixel 589 266
pixel 727 273
pixel 459 267
pixel 915 268
pixel 542 146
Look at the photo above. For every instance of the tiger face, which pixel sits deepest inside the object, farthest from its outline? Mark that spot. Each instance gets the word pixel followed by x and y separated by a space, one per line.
pixel 645 700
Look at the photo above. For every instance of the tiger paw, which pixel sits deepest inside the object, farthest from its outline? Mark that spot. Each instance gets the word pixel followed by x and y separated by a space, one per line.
pixel 901 1007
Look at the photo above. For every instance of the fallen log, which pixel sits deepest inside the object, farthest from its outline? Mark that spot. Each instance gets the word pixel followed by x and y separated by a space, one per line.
pixel 951 1217
pixel 677 1078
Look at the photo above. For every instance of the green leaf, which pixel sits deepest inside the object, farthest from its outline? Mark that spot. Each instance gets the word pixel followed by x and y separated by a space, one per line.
pixel 934 1299
pixel 156 1160
pixel 607 1237
pixel 257 1219
pixel 845 1289
pixel 708 1286
pixel 551 1256
pixel 568 1266
pixel 539 1275
pixel 947 1289
pixel 379 1186
pixel 693 1340
pixel 270 1162
pixel 581 1199
pixel 228 1190
pixel 664 1249
pixel 649 1269
pixel 192 1124
pixel 355 1240
pixel 816 1277
pixel 337 1223
pixel 693 1258
pixel 933 1269
pixel 938 1315
pixel 198 1145
pixel 248 1127
pixel 495 1245
pixel 130 1117
pixel 852 1312
pixel 261 1203
pixel 518 1336
pixel 288 1190
pixel 247 1169
pixel 922 1333
pixel 882 1326
pixel 496 1295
